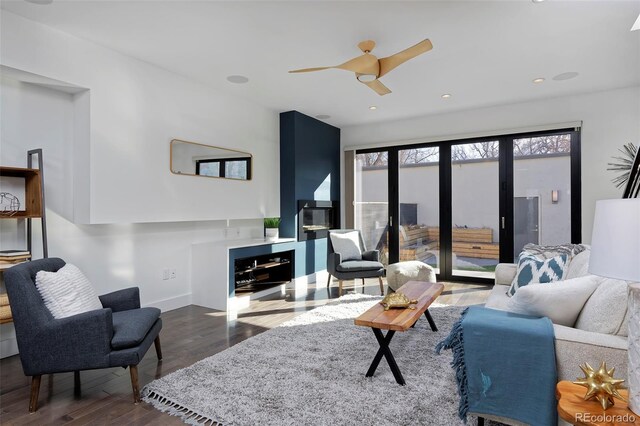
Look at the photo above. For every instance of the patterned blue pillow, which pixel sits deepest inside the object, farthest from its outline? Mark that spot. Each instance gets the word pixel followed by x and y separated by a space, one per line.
pixel 534 270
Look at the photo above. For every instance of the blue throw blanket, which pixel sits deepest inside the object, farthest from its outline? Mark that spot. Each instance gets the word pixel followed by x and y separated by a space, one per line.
pixel 505 365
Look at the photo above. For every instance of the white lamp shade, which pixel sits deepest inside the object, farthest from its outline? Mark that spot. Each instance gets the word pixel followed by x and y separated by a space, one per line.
pixel 615 243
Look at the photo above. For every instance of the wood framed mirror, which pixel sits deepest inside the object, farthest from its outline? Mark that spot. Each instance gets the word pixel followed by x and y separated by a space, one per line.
pixel 197 159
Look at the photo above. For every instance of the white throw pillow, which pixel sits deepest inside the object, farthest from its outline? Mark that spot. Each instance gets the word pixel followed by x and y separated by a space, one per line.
pixel 605 310
pixel 579 265
pixel 561 301
pixel 67 292
pixel 347 244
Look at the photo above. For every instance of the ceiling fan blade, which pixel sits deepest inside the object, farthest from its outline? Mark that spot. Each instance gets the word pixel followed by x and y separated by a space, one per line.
pixel 364 64
pixel 310 69
pixel 393 61
pixel 377 87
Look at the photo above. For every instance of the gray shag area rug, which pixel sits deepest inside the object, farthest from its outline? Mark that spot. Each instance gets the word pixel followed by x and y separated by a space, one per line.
pixel 310 371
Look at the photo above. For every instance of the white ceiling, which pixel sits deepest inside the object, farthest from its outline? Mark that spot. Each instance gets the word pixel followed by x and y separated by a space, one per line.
pixel 485 53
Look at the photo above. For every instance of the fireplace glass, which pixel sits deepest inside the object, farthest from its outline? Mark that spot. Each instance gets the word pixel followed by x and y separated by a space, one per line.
pixel 315 218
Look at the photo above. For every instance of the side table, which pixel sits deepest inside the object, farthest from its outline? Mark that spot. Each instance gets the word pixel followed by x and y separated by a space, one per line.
pixel 574 409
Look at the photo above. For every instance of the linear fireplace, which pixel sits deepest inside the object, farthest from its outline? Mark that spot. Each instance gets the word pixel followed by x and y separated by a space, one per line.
pixel 315 218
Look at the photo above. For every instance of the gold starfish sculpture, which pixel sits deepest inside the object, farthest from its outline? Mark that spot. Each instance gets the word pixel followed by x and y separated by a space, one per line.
pixel 600 384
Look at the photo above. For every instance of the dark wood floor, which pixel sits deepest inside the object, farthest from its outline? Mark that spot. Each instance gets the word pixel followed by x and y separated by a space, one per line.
pixel 189 335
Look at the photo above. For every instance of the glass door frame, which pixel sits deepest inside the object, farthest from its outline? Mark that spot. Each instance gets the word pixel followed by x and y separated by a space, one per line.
pixel 506 195
pixel 507 188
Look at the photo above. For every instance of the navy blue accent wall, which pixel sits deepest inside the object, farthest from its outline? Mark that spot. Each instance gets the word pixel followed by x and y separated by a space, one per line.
pixel 309 170
pixel 288 205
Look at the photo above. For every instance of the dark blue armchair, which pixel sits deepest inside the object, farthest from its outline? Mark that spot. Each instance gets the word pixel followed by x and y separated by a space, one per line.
pixel 118 335
pixel 368 267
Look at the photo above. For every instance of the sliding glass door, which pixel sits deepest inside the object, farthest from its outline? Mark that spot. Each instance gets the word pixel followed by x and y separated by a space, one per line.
pixel 475 215
pixel 419 215
pixel 372 201
pixel 541 190
pixel 464 206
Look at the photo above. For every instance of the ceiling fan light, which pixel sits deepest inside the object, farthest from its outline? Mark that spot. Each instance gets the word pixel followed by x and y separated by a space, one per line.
pixel 367 78
pixel 636 26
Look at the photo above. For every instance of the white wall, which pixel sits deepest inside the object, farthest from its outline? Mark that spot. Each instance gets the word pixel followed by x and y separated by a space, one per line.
pixel 610 119
pixel 135 111
pixel 107 149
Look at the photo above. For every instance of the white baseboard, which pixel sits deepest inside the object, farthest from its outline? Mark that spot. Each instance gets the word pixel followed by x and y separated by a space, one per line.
pixel 171 303
pixel 8 342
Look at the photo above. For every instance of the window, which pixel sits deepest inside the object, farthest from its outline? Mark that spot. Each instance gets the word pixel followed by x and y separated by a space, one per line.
pixel 233 168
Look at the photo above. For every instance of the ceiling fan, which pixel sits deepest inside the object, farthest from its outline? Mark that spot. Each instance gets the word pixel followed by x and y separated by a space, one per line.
pixel 369 69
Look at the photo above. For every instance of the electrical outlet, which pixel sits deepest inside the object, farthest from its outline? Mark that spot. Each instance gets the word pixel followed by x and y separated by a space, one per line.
pixel 166 274
pixel 172 275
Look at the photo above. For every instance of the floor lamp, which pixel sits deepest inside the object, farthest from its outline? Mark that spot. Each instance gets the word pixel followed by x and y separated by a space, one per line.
pixel 615 253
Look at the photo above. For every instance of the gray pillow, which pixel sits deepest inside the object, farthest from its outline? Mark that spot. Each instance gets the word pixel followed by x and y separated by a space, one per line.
pixel 624 327
pixel 606 309
pixel 347 244
pixel 579 265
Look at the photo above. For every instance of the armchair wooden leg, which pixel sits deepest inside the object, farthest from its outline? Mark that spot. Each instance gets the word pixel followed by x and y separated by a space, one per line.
pixel 363 282
pixel 133 370
pixel 339 287
pixel 77 384
pixel 35 390
pixel 329 280
pixel 158 348
pixel 381 286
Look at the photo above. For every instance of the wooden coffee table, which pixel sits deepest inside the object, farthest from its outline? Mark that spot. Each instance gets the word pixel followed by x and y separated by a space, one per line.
pixel 574 409
pixel 399 320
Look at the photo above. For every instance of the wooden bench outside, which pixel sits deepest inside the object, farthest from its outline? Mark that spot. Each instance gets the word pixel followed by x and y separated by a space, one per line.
pixel 422 242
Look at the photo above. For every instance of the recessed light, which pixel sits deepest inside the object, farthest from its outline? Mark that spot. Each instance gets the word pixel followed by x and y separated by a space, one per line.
pixel 323 116
pixel 446 96
pixel 537 1
pixel 41 2
pixel 373 107
pixel 566 76
pixel 238 79
pixel 538 80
